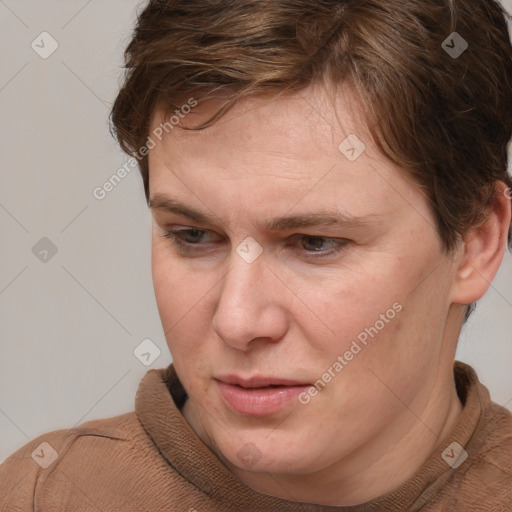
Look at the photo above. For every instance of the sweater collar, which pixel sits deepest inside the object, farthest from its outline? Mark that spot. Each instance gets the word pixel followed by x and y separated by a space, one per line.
pixel 157 406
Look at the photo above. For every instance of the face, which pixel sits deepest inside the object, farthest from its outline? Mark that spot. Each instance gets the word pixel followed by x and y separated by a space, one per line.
pixel 290 258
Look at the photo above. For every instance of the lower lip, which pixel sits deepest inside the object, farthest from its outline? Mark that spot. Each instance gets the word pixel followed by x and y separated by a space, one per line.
pixel 258 401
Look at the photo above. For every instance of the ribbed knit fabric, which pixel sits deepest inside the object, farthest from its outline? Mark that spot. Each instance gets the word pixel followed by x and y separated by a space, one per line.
pixel 151 460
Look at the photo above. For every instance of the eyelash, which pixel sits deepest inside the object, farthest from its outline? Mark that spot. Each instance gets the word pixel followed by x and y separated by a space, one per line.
pixel 186 248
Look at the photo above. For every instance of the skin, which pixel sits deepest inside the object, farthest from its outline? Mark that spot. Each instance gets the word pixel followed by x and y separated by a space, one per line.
pixel 288 314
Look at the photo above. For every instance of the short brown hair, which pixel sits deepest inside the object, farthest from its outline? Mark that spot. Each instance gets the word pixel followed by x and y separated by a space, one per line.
pixel 446 119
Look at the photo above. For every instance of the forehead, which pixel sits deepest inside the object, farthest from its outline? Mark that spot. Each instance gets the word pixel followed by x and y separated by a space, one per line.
pixel 297 125
pixel 297 148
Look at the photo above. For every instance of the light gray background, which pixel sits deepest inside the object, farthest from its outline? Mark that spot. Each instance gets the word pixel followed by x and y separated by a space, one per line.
pixel 68 327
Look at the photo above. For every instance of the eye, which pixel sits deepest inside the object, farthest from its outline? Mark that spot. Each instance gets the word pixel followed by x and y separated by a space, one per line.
pixel 194 235
pixel 190 240
pixel 322 247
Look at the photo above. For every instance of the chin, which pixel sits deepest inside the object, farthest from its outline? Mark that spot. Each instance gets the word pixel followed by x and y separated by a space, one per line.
pixel 266 452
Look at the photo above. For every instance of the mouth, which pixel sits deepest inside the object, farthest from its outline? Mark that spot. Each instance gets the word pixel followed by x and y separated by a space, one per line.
pixel 259 396
pixel 260 382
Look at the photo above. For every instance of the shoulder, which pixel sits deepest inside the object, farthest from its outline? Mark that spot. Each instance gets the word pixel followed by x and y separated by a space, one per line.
pixel 48 464
pixel 486 481
pixel 494 440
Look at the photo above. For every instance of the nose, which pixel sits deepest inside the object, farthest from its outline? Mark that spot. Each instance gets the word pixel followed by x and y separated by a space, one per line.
pixel 251 304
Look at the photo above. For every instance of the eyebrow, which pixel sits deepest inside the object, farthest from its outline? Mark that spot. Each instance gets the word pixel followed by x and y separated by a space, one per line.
pixel 322 218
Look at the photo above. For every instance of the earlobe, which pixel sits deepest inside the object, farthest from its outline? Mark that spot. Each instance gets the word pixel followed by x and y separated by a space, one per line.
pixel 483 249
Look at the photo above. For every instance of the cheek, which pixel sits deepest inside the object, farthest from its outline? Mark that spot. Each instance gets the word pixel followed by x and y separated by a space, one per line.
pixel 373 318
pixel 181 300
pixel 348 308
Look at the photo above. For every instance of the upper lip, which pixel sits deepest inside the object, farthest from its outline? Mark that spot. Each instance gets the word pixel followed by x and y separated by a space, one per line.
pixel 259 381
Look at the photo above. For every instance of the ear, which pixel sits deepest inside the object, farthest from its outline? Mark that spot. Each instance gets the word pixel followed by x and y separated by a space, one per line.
pixel 483 248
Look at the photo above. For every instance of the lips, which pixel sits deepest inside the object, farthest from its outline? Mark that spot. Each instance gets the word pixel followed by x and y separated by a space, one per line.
pixel 259 395
pixel 259 381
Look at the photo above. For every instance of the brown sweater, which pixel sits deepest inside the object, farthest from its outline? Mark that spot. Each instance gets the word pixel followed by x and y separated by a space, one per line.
pixel 151 460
